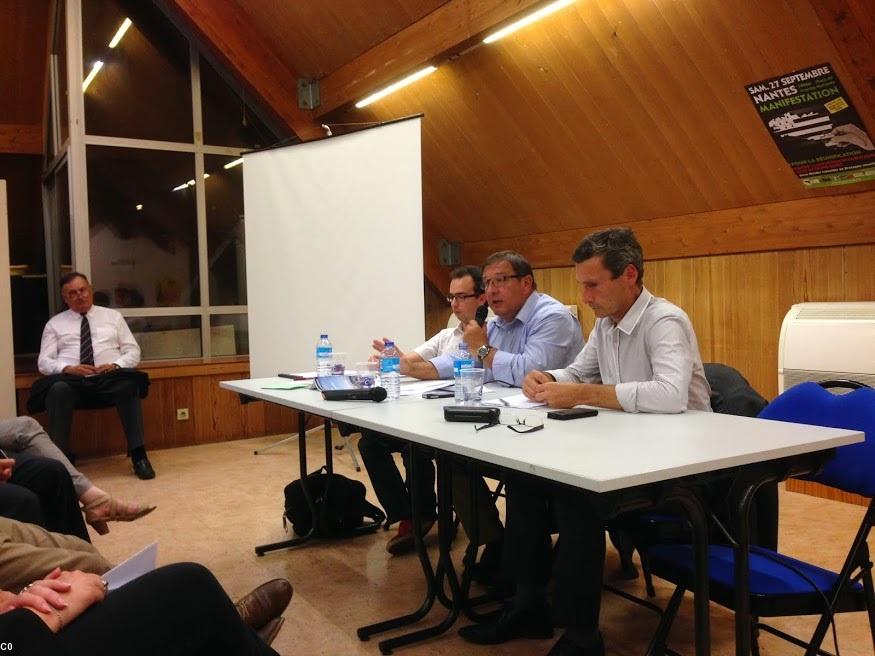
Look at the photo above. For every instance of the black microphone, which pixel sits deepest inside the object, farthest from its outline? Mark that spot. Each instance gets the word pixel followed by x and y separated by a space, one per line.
pixel 480 316
pixel 375 394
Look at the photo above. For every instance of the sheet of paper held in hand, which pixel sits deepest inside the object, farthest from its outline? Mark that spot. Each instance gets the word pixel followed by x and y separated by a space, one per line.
pixel 514 401
pixel 133 568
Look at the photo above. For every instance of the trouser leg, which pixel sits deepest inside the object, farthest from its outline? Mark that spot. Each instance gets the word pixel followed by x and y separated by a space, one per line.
pixel 175 610
pixel 127 401
pixel 25 435
pixel 59 406
pixel 489 526
pixel 526 557
pixel 20 504
pixel 579 561
pixel 376 450
pixel 425 474
pixel 52 485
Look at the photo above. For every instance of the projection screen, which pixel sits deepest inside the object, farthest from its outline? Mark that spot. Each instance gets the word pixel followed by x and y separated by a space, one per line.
pixel 334 244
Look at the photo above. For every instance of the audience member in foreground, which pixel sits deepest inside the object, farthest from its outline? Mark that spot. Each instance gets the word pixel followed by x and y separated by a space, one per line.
pixel 175 610
pixel 24 436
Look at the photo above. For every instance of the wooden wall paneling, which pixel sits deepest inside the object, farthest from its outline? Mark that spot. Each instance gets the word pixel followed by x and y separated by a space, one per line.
pixel 824 491
pixel 859 273
pixel 156 407
pixel 808 223
pixel 187 393
pixel 222 410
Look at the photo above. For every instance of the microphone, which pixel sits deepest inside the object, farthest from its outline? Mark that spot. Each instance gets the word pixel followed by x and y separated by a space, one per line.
pixel 375 394
pixel 480 316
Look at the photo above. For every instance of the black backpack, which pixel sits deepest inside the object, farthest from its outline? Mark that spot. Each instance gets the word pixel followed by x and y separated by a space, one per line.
pixel 344 511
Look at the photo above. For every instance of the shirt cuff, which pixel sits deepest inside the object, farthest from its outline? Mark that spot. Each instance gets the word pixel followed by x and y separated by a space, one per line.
pixel 502 368
pixel 444 365
pixel 627 395
pixel 561 376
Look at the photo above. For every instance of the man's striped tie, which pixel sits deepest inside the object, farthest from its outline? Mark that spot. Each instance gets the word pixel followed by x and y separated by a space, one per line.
pixel 86 350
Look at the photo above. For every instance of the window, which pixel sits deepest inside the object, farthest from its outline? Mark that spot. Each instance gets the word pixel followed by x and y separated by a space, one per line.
pixel 157 216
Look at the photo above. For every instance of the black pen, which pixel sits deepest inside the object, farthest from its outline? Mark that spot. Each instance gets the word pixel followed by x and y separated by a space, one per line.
pixel 294 376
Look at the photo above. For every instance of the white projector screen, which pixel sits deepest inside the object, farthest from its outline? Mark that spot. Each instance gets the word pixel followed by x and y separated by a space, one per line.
pixel 334 244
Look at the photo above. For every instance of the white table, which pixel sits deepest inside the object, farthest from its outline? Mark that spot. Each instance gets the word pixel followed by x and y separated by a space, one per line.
pixel 607 453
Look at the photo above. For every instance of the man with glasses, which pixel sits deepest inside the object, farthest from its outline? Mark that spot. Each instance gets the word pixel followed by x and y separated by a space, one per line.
pixel 530 331
pixel 642 356
pixel 430 361
pixel 88 356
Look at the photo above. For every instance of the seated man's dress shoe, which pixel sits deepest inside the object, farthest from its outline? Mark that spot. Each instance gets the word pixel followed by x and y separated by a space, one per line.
pixel 143 469
pixel 567 647
pixel 531 623
pixel 262 608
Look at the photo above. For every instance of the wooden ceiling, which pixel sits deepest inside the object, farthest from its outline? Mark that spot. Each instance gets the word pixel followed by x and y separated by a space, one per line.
pixel 23 53
pixel 607 112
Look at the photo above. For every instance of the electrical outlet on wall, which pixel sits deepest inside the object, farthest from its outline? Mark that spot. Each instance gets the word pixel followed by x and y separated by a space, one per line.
pixel 182 414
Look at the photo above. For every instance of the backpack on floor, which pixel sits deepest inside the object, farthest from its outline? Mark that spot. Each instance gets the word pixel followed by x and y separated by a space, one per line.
pixel 339 512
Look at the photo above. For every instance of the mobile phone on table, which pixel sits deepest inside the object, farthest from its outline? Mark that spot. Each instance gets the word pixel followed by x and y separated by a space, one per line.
pixel 439 393
pixel 572 413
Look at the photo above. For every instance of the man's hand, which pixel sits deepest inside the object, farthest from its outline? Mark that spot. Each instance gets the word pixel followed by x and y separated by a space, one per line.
pixel 533 381
pixel 475 336
pixel 380 346
pixel 102 369
pixel 80 370
pixel 6 467
pixel 558 395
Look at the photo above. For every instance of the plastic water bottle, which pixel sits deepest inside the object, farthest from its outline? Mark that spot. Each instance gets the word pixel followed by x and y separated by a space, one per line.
pixel 461 360
pixel 390 371
pixel 323 356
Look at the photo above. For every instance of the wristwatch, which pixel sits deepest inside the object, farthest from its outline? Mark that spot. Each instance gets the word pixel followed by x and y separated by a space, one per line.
pixel 484 350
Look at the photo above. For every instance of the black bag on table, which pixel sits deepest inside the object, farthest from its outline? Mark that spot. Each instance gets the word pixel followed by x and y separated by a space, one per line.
pixel 344 511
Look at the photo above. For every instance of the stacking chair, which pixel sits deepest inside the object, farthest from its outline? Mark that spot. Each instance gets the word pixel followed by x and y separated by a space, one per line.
pixel 779 584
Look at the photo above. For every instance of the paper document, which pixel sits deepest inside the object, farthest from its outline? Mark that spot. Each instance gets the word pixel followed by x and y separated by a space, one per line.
pixel 515 401
pixel 133 568
pixel 417 387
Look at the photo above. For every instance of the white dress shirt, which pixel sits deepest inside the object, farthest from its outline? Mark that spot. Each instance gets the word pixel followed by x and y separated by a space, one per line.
pixel 651 357
pixel 111 339
pixel 444 343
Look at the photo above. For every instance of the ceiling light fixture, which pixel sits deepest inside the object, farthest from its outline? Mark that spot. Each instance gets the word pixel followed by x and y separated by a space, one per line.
pixel 527 20
pixel 139 207
pixel 95 69
pixel 126 23
pixel 410 79
pixel 184 185
pixel 231 165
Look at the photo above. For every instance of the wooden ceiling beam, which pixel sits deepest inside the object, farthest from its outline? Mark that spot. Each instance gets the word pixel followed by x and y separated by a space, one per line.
pixel 21 139
pixel 807 223
pixel 452 27
pixel 227 29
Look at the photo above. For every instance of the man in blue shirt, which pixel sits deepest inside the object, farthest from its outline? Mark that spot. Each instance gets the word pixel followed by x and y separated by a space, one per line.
pixel 530 331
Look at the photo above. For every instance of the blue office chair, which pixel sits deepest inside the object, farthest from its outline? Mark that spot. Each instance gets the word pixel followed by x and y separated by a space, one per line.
pixel 780 585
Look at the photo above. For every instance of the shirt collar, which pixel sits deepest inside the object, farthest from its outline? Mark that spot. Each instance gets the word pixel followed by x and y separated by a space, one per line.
pixel 633 314
pixel 525 313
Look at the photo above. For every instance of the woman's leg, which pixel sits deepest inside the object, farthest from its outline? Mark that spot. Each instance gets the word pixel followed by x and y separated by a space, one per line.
pixel 179 610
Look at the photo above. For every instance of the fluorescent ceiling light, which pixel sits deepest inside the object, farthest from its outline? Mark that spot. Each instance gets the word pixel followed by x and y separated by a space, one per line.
pixel 236 162
pixel 95 69
pixel 531 18
pixel 139 207
pixel 410 79
pixel 126 23
pixel 184 185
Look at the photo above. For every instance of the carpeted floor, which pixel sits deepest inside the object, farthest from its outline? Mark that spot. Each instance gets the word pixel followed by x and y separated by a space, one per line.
pixel 217 501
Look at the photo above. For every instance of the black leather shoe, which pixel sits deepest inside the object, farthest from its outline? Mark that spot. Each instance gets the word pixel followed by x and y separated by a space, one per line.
pixel 531 623
pixel 143 469
pixel 566 647
pixel 262 607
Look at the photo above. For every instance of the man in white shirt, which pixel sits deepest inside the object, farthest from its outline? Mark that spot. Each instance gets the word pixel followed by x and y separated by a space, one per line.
pixel 432 360
pixel 642 356
pixel 88 355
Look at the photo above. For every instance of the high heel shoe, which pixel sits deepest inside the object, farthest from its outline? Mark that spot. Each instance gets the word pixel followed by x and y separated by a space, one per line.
pixel 108 509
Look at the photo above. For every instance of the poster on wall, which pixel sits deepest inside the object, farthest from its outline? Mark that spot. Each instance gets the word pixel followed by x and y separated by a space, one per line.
pixel 815 126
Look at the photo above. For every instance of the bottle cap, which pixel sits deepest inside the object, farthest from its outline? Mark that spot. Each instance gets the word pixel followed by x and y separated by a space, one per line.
pixel 323 336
